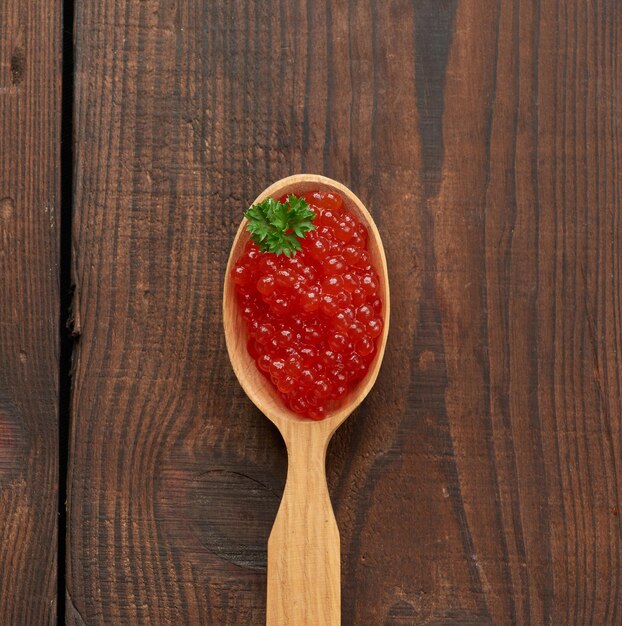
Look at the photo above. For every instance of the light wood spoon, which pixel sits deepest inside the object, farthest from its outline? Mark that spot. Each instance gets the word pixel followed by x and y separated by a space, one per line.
pixel 303 550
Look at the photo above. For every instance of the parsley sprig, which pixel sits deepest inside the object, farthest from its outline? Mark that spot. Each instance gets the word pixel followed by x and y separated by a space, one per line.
pixel 278 227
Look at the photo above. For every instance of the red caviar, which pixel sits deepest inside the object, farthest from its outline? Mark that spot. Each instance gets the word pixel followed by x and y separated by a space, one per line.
pixel 313 319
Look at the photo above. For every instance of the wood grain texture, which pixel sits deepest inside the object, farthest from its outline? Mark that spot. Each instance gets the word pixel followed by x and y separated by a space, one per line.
pixel 480 481
pixel 30 102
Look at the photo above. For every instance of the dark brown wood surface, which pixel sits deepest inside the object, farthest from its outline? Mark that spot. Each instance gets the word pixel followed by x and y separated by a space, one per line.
pixel 480 482
pixel 30 107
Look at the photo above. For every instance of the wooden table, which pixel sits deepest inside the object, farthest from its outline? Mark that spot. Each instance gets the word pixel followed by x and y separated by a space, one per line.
pixel 480 483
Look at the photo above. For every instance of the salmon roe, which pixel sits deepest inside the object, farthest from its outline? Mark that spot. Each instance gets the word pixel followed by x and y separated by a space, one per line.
pixel 313 319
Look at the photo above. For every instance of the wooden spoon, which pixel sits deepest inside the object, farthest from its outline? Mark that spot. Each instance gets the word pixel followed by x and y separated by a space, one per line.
pixel 303 550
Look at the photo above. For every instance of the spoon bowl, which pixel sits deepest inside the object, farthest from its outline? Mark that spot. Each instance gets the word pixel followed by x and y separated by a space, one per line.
pixel 257 387
pixel 303 549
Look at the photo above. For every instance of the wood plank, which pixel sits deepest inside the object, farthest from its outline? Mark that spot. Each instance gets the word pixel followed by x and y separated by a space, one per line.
pixel 30 118
pixel 479 483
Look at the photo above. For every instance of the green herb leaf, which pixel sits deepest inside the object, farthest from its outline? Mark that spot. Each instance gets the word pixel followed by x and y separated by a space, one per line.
pixel 278 227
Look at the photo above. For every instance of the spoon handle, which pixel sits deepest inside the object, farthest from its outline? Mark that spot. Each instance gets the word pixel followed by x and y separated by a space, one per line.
pixel 304 576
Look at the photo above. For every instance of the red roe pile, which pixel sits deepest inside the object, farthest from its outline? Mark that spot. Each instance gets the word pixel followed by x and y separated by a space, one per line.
pixel 313 319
